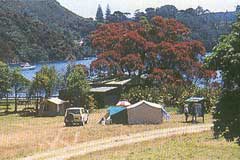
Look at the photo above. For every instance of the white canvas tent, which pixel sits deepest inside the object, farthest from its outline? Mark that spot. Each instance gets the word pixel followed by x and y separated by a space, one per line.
pixel 145 112
pixel 53 106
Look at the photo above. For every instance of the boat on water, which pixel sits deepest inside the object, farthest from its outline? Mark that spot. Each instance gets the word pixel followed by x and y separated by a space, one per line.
pixel 27 66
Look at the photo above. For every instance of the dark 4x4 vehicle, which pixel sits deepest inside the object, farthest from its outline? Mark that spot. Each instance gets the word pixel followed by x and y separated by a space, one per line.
pixel 76 116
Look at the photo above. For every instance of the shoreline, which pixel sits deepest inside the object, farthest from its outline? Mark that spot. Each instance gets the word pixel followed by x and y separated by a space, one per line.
pixel 51 62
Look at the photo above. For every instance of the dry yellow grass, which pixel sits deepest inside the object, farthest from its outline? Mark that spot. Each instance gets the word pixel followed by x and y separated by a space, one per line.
pixel 22 136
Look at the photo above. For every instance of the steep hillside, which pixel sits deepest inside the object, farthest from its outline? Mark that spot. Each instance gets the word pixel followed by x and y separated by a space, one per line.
pixel 26 39
pixel 39 30
pixel 53 14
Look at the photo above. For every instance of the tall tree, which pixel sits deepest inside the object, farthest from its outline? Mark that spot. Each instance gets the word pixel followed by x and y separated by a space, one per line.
pixel 160 48
pixel 45 80
pixel 77 86
pixel 150 12
pixel 119 16
pixel 108 14
pixel 99 14
pixel 5 85
pixel 138 14
pixel 238 9
pixel 226 58
pixel 18 82
pixel 4 79
pixel 167 11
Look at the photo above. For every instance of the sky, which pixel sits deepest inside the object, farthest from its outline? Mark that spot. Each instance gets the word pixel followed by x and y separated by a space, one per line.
pixel 88 8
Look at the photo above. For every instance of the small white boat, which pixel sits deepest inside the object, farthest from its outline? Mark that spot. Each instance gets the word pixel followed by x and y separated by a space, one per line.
pixel 27 66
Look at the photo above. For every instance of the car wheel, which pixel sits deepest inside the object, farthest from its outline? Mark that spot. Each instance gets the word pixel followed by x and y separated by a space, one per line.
pixel 67 124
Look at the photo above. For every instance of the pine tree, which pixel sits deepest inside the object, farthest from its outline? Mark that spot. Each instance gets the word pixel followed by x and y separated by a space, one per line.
pixel 238 8
pixel 108 14
pixel 99 15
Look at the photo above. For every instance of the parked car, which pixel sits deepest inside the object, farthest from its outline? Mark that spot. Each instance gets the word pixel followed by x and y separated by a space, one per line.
pixel 77 116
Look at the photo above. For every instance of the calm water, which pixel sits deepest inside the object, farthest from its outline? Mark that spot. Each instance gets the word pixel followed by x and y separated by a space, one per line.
pixel 59 66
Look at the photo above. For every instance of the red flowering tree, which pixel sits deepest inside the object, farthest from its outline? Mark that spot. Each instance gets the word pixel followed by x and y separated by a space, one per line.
pixel 160 48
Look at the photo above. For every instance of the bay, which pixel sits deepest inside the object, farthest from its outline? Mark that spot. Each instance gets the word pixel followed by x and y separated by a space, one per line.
pixel 60 66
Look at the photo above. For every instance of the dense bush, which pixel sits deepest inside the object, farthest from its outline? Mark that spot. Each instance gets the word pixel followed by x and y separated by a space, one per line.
pixel 171 96
pixel 226 58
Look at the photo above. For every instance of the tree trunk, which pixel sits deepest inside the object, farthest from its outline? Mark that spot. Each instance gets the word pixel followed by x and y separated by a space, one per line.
pixel 15 97
pixel 37 104
pixel 7 104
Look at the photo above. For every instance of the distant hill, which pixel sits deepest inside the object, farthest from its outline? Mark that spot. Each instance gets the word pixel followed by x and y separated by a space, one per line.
pixel 40 30
pixel 204 25
pixel 208 27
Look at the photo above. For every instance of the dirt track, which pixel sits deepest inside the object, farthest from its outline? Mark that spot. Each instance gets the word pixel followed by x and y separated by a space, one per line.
pixel 102 144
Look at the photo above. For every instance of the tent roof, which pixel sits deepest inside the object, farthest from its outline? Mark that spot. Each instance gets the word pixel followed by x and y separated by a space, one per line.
pixel 114 110
pixel 123 103
pixel 56 101
pixel 195 99
pixel 102 89
pixel 146 102
pixel 155 105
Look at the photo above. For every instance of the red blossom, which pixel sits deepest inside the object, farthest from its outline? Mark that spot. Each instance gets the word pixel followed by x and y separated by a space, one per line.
pixel 162 49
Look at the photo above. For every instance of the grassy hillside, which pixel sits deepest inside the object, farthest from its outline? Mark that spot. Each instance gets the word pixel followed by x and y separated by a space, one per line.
pixel 39 31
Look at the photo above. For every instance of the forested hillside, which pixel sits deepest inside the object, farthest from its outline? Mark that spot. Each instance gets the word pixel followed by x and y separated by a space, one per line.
pixel 204 24
pixel 40 31
pixel 53 14
pixel 43 30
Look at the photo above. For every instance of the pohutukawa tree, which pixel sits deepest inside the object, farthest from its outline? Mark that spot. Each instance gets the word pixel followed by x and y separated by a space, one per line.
pixel 160 48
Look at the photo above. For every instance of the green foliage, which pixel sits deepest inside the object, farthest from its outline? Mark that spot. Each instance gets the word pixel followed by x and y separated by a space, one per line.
pixel 226 58
pixel 171 95
pixel 11 80
pixel 18 83
pixel 77 86
pixel 91 103
pixel 227 115
pixel 99 14
pixel 138 93
pixel 108 14
pixel 40 31
pixel 204 25
pixel 5 83
pixel 45 80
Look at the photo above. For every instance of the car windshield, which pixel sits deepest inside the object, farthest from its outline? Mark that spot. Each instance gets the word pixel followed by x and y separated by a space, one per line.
pixel 74 111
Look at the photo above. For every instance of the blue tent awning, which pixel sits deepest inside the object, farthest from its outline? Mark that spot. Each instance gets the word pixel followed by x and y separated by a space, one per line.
pixel 114 110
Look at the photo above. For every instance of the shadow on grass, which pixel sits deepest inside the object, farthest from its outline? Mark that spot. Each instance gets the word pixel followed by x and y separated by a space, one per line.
pixel 191 122
pixel 26 114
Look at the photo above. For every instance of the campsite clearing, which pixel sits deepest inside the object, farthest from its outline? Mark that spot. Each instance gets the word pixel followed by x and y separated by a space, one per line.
pixel 111 142
pixel 24 136
pixel 199 146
